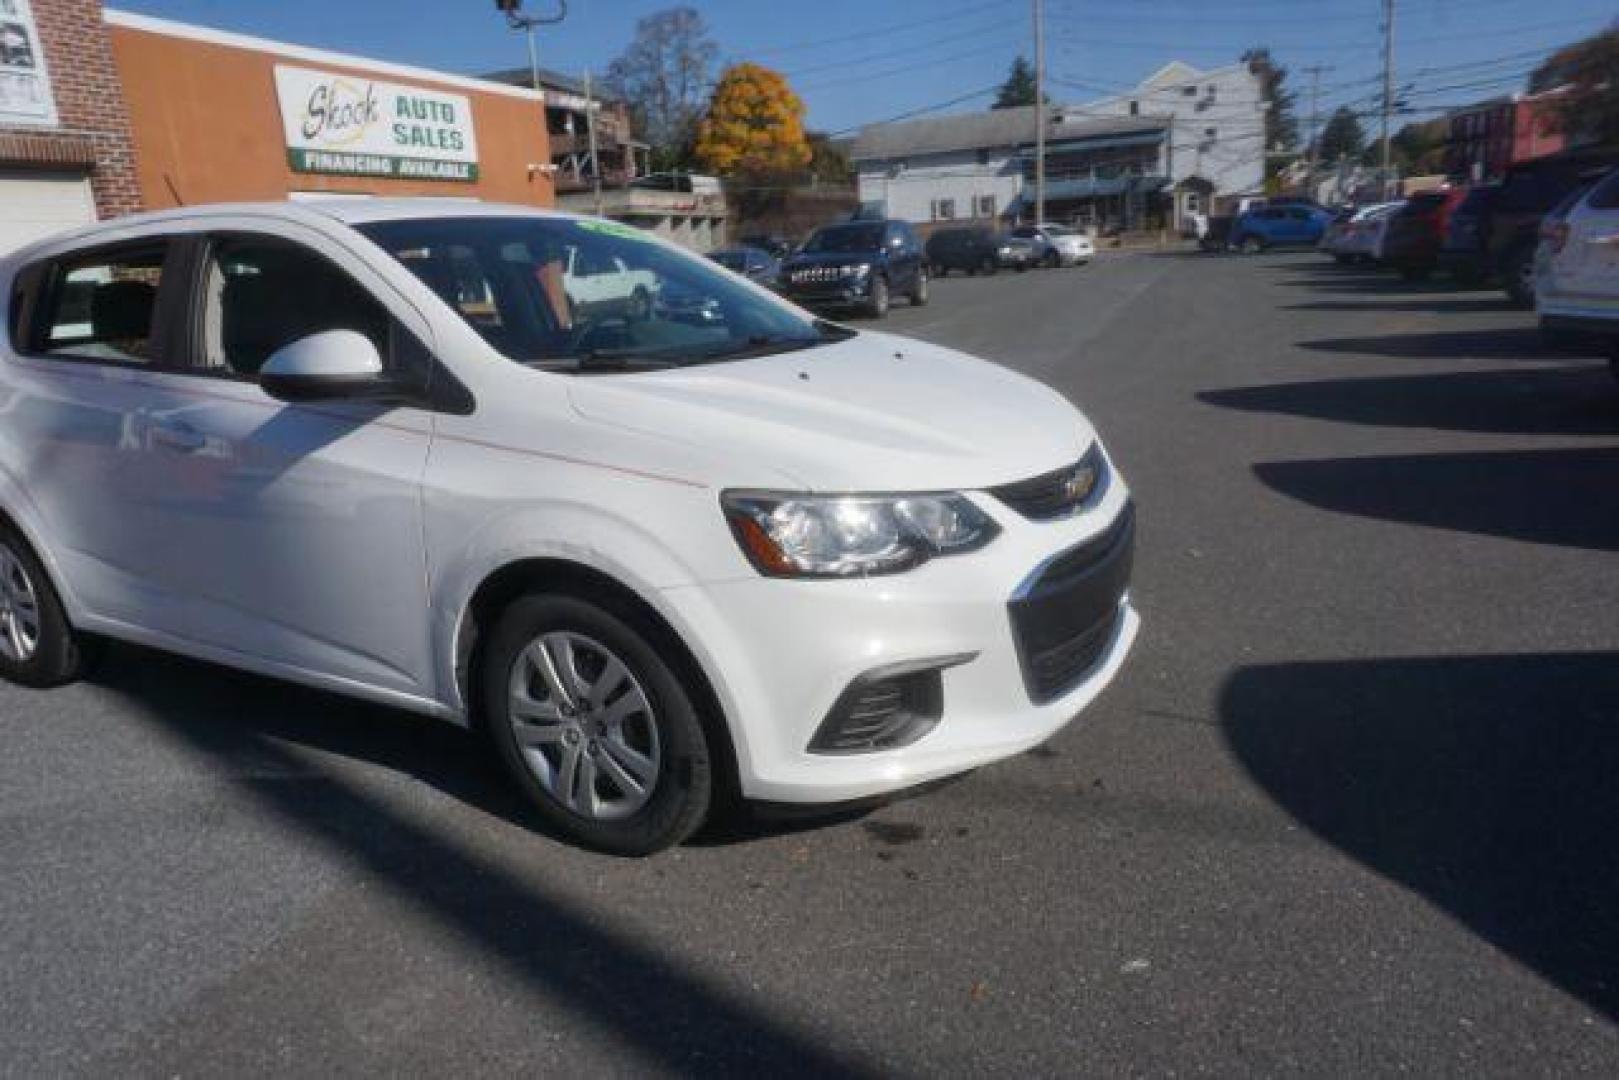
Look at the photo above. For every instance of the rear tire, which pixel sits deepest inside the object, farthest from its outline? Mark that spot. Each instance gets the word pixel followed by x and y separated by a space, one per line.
pixel 656 747
pixel 1518 275
pixel 38 647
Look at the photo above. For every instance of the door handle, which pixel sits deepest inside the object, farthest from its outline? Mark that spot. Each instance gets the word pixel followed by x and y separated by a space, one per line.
pixel 179 437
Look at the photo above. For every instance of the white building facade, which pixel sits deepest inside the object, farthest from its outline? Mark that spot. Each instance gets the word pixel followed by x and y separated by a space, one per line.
pixel 1217 127
pixel 1142 159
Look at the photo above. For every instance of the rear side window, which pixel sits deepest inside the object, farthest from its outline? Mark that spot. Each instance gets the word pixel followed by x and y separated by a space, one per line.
pixel 102 306
pixel 1606 195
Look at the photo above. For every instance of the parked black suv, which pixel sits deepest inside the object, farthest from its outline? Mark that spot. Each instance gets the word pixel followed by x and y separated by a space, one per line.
pixel 971 250
pixel 859 264
pixel 1497 236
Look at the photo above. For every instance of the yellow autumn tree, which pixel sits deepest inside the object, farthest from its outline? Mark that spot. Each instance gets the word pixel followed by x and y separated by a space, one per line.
pixel 754 125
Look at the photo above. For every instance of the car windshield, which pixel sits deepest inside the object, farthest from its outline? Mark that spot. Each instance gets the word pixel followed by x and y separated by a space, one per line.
pixel 1059 230
pixel 586 296
pixel 838 238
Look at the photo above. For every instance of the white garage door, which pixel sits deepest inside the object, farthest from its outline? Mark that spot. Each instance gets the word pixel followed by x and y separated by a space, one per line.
pixel 35 204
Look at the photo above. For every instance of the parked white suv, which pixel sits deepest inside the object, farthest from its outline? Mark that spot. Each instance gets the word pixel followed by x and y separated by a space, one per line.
pixel 1577 269
pixel 371 446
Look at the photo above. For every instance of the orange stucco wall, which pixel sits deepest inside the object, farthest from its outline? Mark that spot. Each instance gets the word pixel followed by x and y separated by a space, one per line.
pixel 207 128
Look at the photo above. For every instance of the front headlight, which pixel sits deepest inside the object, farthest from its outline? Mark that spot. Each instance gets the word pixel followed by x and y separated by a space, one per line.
pixel 788 535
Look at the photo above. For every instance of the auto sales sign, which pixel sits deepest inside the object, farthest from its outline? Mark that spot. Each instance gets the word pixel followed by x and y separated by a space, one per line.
pixel 354 126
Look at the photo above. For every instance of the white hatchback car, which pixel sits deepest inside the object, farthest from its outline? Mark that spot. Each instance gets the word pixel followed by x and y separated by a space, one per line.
pixel 372 447
pixel 1577 270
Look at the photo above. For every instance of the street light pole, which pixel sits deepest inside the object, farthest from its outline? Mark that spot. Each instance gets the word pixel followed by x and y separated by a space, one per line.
pixel 513 10
pixel 1388 85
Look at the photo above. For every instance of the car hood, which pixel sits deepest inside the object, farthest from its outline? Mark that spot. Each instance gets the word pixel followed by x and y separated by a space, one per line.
pixel 873 413
pixel 830 258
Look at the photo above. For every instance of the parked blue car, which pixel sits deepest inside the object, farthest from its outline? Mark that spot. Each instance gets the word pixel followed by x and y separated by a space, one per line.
pixel 1279 226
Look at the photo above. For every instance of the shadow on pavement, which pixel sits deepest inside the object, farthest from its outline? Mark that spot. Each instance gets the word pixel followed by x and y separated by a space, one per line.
pixel 663 1016
pixel 1438 305
pixel 1563 497
pixel 1483 783
pixel 1581 400
pixel 1521 343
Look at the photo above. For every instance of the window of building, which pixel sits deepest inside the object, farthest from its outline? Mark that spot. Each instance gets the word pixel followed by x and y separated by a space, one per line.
pixel 986 206
pixel 1213 91
pixel 1135 108
pixel 1188 91
pixel 983 157
pixel 1210 133
pixel 944 209
pixel 103 306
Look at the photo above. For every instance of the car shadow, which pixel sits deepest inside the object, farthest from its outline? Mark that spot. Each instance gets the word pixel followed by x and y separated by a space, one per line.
pixel 664 1016
pixel 1578 399
pixel 1484 784
pixel 1438 305
pixel 236 711
pixel 1562 497
pixel 1512 343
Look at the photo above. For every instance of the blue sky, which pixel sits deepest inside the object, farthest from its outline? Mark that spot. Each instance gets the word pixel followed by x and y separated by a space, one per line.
pixel 856 61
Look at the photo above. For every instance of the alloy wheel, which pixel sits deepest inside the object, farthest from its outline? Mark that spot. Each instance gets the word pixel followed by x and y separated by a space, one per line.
pixel 584 726
pixel 19 609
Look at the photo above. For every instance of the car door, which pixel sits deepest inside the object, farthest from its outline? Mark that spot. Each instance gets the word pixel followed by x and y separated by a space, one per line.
pixel 95 334
pixel 293 532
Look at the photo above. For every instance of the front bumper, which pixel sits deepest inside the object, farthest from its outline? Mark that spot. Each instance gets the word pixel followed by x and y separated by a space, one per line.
pixel 782 653
pixel 845 292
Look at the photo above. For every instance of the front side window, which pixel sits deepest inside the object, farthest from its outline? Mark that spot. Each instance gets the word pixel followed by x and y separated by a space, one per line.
pixel 103 307
pixel 262 293
pixel 586 296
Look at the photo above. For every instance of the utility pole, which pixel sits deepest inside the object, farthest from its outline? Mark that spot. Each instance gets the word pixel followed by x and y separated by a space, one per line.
pixel 1039 112
pixel 1388 86
pixel 590 129
pixel 1314 71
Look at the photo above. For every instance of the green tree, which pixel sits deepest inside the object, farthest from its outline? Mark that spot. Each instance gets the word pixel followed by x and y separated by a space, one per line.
pixel 1019 87
pixel 1281 122
pixel 1342 137
pixel 664 76
pixel 1419 149
pixel 1586 74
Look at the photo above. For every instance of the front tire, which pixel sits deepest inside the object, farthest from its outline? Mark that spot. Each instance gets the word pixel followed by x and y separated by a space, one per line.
pixel 919 291
pixel 877 302
pixel 38 647
pixel 595 726
pixel 1252 245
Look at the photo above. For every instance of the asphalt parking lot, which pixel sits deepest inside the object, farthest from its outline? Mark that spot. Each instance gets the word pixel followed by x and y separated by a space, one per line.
pixel 1351 807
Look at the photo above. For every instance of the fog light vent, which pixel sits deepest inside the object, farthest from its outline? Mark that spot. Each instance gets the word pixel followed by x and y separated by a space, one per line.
pixel 886 708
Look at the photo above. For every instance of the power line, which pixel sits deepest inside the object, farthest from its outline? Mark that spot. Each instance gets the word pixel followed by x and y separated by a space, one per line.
pixel 905 26
pixel 976 31
pixel 923 110
pixel 865 77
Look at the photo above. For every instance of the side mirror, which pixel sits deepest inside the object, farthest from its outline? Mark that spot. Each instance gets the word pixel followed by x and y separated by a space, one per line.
pixel 330 365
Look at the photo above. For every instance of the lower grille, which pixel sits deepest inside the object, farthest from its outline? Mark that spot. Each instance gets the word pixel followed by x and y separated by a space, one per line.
pixel 1066 619
pixel 886 708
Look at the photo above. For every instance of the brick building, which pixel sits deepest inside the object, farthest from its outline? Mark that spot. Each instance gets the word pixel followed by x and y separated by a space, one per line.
pixel 66 151
pixel 105 112
pixel 1487 137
